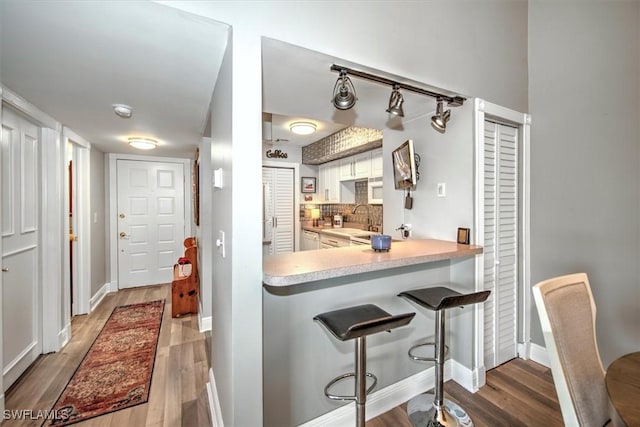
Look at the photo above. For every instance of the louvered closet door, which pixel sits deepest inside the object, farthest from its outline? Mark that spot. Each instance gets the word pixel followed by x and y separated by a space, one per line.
pixel 278 210
pixel 500 242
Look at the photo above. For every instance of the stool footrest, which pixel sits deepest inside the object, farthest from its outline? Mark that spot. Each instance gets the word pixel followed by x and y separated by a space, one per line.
pixel 422 358
pixel 344 377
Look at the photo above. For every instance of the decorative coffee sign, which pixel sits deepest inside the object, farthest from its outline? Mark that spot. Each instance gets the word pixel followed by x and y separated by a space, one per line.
pixel 276 154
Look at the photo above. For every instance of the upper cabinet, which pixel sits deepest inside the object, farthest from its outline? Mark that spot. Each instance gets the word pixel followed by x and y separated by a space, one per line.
pixel 329 180
pixel 376 163
pixel 356 167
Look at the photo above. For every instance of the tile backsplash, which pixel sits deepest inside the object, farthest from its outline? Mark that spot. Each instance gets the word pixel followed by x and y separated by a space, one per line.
pixel 346 209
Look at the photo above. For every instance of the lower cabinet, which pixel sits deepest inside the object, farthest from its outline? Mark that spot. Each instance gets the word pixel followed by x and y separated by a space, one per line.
pixel 327 242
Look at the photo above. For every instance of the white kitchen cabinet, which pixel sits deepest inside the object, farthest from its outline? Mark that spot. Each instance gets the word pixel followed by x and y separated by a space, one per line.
pixel 328 242
pixel 355 167
pixel 279 211
pixel 309 241
pixel 329 177
pixel 376 163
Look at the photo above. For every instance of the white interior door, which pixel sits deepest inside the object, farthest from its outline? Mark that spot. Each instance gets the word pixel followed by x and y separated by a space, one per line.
pixel 22 332
pixel 500 242
pixel 150 221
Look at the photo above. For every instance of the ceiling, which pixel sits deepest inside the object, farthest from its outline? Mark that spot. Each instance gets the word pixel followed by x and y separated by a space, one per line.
pixel 74 60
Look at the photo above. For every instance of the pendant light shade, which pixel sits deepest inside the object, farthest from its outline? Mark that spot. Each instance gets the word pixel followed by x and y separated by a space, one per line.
pixel 395 102
pixel 440 119
pixel 344 94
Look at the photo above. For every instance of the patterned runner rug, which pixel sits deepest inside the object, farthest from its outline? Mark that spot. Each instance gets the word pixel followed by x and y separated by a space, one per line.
pixel 116 371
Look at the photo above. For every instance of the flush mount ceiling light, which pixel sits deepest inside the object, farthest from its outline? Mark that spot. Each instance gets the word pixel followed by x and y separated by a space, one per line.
pixel 143 143
pixel 344 98
pixel 395 102
pixel 122 110
pixel 302 128
pixel 344 94
pixel 440 119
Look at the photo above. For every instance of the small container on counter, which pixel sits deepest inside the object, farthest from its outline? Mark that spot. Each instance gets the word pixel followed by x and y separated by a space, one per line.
pixel 381 242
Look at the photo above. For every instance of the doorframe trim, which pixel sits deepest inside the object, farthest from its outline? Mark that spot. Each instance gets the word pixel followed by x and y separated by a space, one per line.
pixel 296 196
pixel 111 203
pixel 82 258
pixel 487 110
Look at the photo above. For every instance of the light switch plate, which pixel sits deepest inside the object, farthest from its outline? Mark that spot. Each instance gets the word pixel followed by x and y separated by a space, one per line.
pixel 442 189
pixel 220 243
pixel 218 178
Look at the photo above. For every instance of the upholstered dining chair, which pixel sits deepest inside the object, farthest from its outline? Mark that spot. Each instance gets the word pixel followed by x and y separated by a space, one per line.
pixel 568 319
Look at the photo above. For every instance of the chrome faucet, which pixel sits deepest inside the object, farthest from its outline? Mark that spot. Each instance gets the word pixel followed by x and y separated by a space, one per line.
pixel 355 208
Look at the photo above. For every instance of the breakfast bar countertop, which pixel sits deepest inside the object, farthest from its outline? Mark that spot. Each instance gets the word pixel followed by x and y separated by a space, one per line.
pixel 309 266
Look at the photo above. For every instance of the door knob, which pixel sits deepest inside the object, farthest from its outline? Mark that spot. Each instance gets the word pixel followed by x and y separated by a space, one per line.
pixel 123 235
pixel 5 269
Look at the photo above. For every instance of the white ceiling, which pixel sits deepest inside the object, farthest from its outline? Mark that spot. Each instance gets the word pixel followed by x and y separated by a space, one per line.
pixel 74 59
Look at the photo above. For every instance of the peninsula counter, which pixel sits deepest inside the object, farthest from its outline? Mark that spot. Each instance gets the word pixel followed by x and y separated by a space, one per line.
pixel 300 357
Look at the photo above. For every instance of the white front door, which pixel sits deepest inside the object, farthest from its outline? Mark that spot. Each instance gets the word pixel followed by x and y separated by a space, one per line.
pixel 21 308
pixel 150 221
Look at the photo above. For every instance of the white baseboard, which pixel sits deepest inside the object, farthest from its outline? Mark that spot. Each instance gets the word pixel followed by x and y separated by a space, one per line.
pixel 214 402
pixel 64 336
pixel 382 400
pixel 539 355
pixel 470 379
pixel 204 323
pixel 99 296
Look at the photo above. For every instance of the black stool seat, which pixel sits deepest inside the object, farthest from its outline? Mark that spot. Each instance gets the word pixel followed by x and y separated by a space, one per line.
pixel 361 320
pixel 440 297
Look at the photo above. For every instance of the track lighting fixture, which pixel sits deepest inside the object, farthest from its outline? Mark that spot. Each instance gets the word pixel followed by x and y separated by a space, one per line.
pixel 344 94
pixel 440 119
pixel 395 102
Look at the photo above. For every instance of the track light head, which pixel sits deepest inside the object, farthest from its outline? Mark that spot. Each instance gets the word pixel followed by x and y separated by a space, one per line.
pixel 395 102
pixel 440 119
pixel 344 94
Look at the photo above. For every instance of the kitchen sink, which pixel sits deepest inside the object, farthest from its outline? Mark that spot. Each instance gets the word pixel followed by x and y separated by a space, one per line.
pixel 350 232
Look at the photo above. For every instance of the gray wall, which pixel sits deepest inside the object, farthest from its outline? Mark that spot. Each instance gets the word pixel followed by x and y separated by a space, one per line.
pixel 221 219
pixel 445 158
pixel 584 92
pixel 476 48
pixel 98 225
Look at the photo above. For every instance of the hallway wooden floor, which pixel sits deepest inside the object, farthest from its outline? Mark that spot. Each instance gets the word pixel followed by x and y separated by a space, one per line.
pixel 178 394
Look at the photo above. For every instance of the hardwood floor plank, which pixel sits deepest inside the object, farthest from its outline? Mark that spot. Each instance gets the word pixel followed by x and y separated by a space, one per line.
pixel 178 382
pixel 519 393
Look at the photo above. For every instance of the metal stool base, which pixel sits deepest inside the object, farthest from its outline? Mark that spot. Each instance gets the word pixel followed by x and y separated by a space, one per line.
pixel 423 413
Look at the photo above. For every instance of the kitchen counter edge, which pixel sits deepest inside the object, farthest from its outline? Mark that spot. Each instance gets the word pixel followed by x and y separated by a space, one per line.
pixel 308 266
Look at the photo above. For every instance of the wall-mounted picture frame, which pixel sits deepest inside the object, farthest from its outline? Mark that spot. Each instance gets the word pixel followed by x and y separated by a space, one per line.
pixel 308 184
pixel 463 236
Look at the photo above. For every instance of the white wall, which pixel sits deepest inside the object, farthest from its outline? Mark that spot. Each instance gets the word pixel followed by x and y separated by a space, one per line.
pixel 585 104
pixel 428 44
pixel 294 155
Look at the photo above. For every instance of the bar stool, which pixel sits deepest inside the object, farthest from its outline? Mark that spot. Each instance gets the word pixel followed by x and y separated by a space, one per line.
pixel 422 409
pixel 356 323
